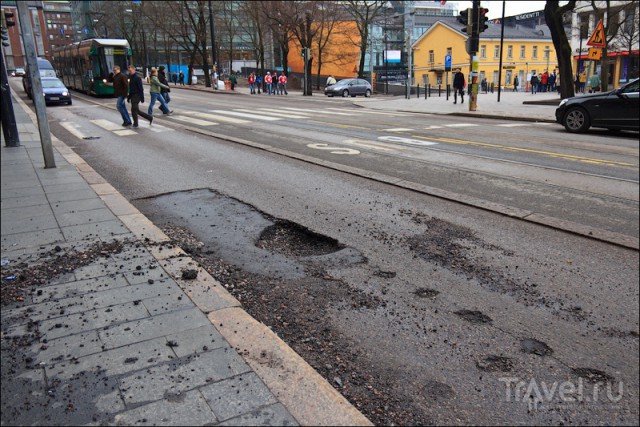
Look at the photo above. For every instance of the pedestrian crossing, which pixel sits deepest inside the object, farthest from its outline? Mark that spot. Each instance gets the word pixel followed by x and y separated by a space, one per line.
pixel 245 116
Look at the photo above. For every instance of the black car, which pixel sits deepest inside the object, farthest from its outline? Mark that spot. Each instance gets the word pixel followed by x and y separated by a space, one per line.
pixel 55 92
pixel 616 110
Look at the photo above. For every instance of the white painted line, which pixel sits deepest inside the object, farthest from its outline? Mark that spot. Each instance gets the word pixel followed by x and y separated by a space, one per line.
pixel 269 113
pixel 460 125
pixel 434 127
pixel 398 130
pixel 366 144
pixel 106 124
pixel 542 123
pixel 125 132
pixel 279 111
pixel 318 111
pixel 367 111
pixel 513 125
pixel 194 121
pixel 250 116
pixel 72 128
pixel 409 141
pixel 216 117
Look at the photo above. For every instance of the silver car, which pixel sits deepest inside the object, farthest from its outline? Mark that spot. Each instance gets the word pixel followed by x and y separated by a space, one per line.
pixel 349 87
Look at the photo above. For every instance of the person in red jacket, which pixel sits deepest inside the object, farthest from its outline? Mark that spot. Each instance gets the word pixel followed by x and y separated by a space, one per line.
pixel 544 79
pixel 282 84
pixel 252 83
pixel 268 80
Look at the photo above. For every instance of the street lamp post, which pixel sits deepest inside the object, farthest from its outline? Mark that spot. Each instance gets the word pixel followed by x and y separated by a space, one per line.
pixel 546 52
pixel 386 63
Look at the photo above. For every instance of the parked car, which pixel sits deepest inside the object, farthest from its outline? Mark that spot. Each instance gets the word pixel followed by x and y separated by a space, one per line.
pixel 55 92
pixel 46 70
pixel 349 87
pixel 617 109
pixel 19 71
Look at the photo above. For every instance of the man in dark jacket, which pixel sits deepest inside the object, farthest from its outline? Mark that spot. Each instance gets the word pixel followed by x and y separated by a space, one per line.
pixel 136 96
pixel 121 90
pixel 458 86
pixel 162 76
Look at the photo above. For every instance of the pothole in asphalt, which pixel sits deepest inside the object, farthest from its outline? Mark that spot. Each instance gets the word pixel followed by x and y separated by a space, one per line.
pixel 291 239
pixel 533 346
pixel 593 375
pixel 426 293
pixel 473 316
pixel 494 363
pixel 437 391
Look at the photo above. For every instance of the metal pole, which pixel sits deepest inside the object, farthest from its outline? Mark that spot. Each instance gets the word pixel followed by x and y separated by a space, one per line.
pixel 386 64
pixel 213 39
pixel 473 97
pixel 501 46
pixel 371 57
pixel 36 84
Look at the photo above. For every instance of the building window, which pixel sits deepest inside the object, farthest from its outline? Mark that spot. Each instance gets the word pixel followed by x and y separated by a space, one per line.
pixel 58 15
pixel 522 52
pixel 431 57
pixel 483 51
pixel 65 26
pixel 496 51
pixel 495 77
pixel 510 52
pixel 546 52
pixel 49 26
pixel 50 36
pixel 534 55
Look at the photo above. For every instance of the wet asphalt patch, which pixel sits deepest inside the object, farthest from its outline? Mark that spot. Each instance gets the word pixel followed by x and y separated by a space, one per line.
pixel 493 363
pixel 533 346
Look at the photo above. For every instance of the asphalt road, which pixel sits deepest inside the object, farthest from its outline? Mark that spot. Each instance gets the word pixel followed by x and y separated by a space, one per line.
pixel 481 311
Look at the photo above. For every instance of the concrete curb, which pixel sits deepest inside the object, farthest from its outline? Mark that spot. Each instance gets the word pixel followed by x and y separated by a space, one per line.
pixel 304 393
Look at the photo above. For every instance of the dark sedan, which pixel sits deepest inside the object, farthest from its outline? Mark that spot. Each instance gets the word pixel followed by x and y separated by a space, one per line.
pixel 55 92
pixel 349 87
pixel 616 110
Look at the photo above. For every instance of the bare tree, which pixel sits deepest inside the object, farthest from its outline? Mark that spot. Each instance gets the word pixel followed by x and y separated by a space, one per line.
pixel 629 34
pixel 230 28
pixel 610 15
pixel 364 12
pixel 254 24
pixel 553 14
pixel 327 17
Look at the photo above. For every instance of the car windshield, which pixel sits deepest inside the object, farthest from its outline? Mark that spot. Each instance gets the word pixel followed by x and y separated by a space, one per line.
pixel 344 82
pixel 46 83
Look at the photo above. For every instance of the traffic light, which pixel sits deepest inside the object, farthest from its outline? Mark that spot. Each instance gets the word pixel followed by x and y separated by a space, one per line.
pixel 465 19
pixel 304 52
pixel 482 19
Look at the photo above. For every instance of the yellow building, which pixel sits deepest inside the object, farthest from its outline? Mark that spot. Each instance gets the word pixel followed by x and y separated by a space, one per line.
pixel 525 49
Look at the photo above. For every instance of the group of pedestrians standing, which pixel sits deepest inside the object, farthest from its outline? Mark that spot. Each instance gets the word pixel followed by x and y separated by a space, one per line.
pixel 131 89
pixel 273 84
pixel 544 82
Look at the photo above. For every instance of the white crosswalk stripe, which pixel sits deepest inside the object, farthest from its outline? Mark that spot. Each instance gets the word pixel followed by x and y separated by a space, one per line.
pixel 513 125
pixel 397 130
pixel 433 127
pixel 73 129
pixel 253 115
pixel 367 111
pixel 284 115
pixel 460 125
pixel 217 118
pixel 329 113
pixel 106 124
pixel 194 121
pixel 125 132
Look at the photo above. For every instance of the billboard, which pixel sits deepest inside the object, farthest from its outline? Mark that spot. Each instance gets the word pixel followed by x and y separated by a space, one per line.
pixel 393 56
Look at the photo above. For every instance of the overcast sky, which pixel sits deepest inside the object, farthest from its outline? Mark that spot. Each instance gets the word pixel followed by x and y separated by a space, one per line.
pixel 512 7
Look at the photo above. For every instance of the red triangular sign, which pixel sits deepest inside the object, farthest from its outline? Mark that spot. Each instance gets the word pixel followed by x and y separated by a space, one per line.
pixel 597 38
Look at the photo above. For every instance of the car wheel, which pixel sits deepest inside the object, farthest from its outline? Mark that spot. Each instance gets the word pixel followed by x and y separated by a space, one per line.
pixel 367 94
pixel 345 93
pixel 70 102
pixel 576 120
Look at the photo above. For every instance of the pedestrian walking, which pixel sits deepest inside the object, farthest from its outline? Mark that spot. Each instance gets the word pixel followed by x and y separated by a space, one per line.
pixel 162 76
pixel 458 86
pixel 594 83
pixel 583 80
pixel 156 94
pixel 282 80
pixel 174 78
pixel 544 80
pixel 331 81
pixel 136 96
pixel 121 91
pixel 534 83
pixel 259 84
pixel 252 83
pixel 552 81
pixel 233 79
pixel 181 78
pixel 268 80
pixel 516 82
pixel 274 83
pixel 576 82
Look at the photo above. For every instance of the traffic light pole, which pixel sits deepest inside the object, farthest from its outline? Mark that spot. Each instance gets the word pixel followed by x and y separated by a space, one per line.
pixel 36 84
pixel 475 35
pixel 9 127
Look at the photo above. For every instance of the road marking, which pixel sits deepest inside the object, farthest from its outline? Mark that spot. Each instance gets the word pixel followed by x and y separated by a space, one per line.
pixel 268 112
pixel 125 132
pixel 513 125
pixel 433 127
pixel 528 150
pixel 406 140
pixel 397 130
pixel 253 116
pixel 194 121
pixel 460 125
pixel 542 123
pixel 367 144
pixel 106 124
pixel 369 111
pixel 72 128
pixel 334 150
pixel 157 128
pixel 319 111
pixel 286 113
pixel 216 117
pixel 338 125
